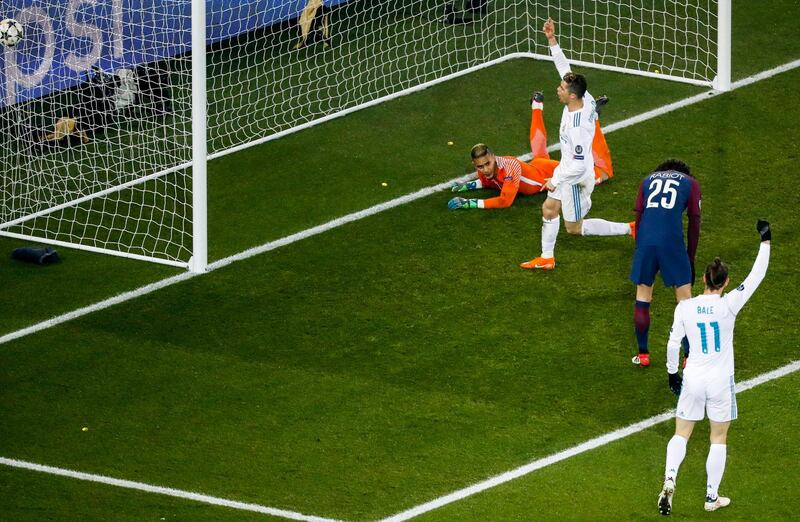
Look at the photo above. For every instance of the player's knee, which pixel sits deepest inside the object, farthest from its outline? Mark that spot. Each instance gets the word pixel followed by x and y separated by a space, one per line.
pixel 718 438
pixel 549 211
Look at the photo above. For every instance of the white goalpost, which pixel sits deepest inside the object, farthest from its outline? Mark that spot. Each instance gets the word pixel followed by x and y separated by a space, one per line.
pixel 111 109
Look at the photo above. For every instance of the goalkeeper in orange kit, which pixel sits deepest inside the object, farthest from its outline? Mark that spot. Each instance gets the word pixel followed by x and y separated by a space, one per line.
pixel 511 176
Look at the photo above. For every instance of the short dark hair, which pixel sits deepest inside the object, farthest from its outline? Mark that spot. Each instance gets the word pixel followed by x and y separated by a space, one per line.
pixel 674 165
pixel 576 83
pixel 480 150
pixel 716 274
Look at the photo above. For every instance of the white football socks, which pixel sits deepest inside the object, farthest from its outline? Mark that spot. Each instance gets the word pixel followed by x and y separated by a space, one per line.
pixel 715 467
pixel 676 451
pixel 601 227
pixel 549 233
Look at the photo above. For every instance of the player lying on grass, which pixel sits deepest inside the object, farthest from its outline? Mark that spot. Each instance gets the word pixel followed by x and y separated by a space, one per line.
pixel 511 176
pixel 707 385
pixel 570 188
pixel 66 132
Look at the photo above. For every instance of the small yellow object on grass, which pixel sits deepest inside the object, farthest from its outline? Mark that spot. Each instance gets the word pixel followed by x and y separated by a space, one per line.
pixel 384 184
pixel 449 142
pixel 85 428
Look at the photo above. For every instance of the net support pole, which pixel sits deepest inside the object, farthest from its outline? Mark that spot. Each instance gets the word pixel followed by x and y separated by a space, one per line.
pixel 199 259
pixel 723 80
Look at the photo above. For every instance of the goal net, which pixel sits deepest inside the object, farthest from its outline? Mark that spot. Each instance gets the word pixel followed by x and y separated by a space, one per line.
pixel 96 100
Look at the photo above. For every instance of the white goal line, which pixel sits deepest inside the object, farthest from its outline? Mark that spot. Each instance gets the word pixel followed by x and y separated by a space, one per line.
pixel 441 501
pixel 160 490
pixel 572 452
pixel 591 444
pixel 272 245
pixel 414 511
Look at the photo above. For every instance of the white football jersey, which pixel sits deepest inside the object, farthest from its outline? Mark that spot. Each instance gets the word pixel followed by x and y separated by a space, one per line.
pixel 576 133
pixel 708 322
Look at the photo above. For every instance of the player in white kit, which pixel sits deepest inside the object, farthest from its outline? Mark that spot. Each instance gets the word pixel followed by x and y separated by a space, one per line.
pixel 570 188
pixel 707 385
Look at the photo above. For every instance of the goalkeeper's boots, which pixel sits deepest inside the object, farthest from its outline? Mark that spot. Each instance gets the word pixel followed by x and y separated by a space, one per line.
pixel 665 497
pixel 537 100
pixel 713 504
pixel 540 263
pixel 632 224
pixel 643 360
pixel 599 103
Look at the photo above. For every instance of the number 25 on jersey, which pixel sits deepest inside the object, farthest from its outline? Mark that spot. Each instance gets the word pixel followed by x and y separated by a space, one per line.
pixel 666 190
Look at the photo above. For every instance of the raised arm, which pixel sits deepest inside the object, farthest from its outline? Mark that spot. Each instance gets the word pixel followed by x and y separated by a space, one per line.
pixel 562 65
pixel 737 298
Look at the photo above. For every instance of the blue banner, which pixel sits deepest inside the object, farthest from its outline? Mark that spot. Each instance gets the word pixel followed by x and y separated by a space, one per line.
pixel 65 38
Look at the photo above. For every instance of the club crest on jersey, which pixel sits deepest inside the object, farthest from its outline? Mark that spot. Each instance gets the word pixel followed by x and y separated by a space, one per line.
pixel 578 149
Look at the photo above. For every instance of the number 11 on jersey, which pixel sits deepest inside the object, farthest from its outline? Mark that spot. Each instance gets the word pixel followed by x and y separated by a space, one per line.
pixel 704 338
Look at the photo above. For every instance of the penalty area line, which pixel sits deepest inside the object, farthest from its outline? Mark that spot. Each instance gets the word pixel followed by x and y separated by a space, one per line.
pixel 355 216
pixel 160 490
pixel 589 445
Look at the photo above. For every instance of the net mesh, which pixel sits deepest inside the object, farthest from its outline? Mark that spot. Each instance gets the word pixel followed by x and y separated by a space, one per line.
pixel 121 71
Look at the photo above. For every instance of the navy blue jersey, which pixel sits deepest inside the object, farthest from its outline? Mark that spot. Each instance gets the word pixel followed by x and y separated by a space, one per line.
pixel 663 198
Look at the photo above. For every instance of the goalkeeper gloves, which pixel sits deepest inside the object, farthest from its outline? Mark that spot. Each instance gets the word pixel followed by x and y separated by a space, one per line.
pixel 675 382
pixel 763 229
pixel 457 203
pixel 463 187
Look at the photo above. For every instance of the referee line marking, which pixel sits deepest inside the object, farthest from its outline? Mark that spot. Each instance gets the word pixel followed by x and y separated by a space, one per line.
pixel 591 444
pixel 415 511
pixel 160 490
pixel 441 501
pixel 355 216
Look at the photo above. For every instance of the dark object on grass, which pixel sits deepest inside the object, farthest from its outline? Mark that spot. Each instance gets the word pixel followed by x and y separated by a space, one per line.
pixel 464 11
pixel 40 256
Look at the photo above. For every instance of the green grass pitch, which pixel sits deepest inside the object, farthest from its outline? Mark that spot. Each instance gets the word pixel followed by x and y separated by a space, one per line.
pixel 385 363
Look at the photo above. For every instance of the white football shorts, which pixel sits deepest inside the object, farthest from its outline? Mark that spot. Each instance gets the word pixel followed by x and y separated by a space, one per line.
pixel 715 396
pixel 576 200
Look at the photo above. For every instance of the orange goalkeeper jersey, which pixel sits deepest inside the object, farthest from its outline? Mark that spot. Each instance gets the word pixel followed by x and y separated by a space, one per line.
pixel 513 176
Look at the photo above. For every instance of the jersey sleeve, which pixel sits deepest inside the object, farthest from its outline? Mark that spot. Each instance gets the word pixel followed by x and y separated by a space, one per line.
pixel 639 206
pixel 676 335
pixel 562 65
pixel 512 170
pixel 693 212
pixel 693 206
pixel 737 298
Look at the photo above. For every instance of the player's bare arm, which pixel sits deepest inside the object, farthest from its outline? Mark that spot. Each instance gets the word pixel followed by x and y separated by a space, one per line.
pixel 549 30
